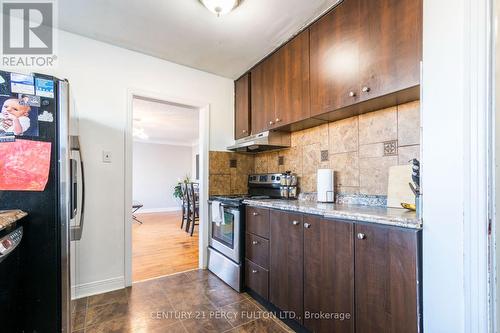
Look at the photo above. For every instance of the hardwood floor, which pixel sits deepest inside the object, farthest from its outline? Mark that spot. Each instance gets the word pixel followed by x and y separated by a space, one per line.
pixel 160 247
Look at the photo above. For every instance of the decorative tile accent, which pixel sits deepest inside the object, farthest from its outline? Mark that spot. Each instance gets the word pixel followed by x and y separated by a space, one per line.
pixel 281 160
pixel 391 148
pixel 233 163
pixel 324 156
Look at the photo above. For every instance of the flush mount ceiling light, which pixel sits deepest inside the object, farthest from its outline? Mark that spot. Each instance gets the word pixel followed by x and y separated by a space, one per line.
pixel 220 7
pixel 139 133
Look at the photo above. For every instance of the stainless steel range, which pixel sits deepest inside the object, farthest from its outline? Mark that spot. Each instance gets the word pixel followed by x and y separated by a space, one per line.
pixel 226 236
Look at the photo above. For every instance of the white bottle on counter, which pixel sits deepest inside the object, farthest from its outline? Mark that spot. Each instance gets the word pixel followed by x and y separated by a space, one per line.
pixel 325 182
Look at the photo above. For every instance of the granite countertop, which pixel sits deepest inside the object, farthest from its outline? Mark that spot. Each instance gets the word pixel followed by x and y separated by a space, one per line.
pixel 381 215
pixel 9 217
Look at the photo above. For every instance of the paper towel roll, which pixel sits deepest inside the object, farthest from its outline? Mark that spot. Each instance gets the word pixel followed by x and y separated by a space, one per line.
pixel 325 183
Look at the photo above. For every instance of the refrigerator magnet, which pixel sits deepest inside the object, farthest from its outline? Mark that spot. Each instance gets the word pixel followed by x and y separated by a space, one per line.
pixel 4 84
pixel 44 87
pixel 24 165
pixel 30 100
pixel 7 137
pixel 17 117
pixel 46 116
pixel 22 84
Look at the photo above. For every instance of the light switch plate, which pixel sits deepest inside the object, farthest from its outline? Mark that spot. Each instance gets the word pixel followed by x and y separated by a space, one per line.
pixel 106 157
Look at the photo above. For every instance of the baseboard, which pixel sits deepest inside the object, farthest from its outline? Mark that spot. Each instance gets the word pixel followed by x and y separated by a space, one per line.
pixel 97 287
pixel 159 210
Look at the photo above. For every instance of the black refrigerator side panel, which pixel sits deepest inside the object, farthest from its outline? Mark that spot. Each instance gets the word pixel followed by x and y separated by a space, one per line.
pixel 40 247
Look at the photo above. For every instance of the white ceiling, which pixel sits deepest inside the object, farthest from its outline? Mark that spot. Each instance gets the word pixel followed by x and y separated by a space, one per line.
pixel 166 123
pixel 185 32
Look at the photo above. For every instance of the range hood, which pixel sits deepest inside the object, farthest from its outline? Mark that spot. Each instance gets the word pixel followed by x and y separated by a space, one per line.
pixel 269 140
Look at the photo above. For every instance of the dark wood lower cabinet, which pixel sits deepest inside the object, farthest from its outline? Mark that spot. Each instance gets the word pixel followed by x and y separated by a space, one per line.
pixel 328 275
pixel 386 279
pixel 336 276
pixel 286 263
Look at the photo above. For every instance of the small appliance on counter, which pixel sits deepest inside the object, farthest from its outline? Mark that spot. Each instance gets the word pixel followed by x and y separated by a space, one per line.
pixel 288 185
pixel 325 183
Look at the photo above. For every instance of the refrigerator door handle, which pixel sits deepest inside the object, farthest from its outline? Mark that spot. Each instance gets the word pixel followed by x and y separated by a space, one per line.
pixel 77 195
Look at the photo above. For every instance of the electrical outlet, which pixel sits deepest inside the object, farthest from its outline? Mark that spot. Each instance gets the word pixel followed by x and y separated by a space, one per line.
pixel 106 156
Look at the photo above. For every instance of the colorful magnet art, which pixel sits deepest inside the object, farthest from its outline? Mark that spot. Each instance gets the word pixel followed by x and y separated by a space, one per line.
pixel 24 165
pixel 44 87
pixel 18 117
pixel 31 100
pixel 22 84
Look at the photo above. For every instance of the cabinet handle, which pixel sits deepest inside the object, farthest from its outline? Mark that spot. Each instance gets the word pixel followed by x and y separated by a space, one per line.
pixel 307 225
pixel 366 89
pixel 361 235
pixel 271 122
pixel 352 94
pixel 244 131
pixel 255 242
pixel 254 271
pixel 278 120
pixel 255 213
pixel 295 222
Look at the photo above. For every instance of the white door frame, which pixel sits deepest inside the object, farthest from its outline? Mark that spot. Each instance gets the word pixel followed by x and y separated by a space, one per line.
pixel 204 138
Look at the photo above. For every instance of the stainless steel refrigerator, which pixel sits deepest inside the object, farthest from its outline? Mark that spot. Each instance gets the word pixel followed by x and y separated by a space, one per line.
pixel 40 300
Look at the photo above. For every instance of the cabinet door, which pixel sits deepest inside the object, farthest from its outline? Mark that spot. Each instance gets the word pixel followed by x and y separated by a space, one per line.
pixel 263 95
pixel 242 107
pixel 292 81
pixel 385 279
pixel 335 59
pixel 286 263
pixel 328 275
pixel 390 46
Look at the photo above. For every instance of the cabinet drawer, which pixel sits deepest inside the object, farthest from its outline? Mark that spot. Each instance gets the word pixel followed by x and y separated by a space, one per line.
pixel 257 278
pixel 258 221
pixel 257 250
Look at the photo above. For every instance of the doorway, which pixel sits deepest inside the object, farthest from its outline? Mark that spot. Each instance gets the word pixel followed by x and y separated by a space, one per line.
pixel 167 144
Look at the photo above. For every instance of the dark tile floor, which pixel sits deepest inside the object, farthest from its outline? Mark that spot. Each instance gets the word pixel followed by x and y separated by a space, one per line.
pixel 194 301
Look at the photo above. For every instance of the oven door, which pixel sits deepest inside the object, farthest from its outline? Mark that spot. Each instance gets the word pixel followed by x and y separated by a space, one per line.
pixel 225 236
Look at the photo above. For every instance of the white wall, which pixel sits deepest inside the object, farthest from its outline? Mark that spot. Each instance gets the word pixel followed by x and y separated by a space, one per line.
pixel 157 168
pixel 100 76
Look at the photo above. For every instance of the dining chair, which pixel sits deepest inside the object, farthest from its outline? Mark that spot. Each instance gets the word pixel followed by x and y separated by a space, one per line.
pixel 185 204
pixel 194 207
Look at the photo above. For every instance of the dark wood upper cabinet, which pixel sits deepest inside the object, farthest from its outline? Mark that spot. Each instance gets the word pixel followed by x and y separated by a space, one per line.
pixel 286 262
pixel 328 274
pixel 263 95
pixel 390 44
pixel 335 59
pixel 242 107
pixel 292 81
pixel 386 279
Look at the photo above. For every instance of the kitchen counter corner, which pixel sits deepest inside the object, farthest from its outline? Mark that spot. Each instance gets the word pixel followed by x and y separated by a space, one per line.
pixel 9 217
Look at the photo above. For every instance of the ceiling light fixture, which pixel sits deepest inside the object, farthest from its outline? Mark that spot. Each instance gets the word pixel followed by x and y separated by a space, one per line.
pixel 220 7
pixel 139 133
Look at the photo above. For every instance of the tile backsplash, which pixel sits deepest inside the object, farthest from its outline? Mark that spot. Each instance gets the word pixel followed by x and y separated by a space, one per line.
pixel 360 149
pixel 228 172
